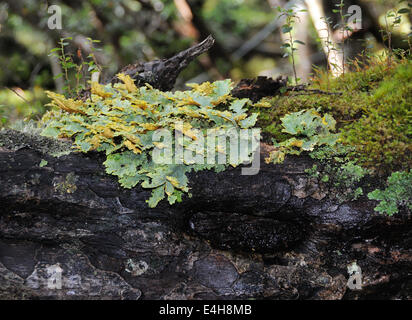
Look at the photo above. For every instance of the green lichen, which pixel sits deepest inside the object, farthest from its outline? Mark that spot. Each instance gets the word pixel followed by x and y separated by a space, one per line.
pixel 43 163
pixel 340 175
pixel 313 133
pixel 309 130
pixel 122 121
pixel 313 172
pixel 397 194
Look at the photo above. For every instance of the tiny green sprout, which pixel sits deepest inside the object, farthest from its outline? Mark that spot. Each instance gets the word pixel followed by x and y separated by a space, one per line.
pixel 343 25
pixel 290 16
pixel 396 17
pixel 313 172
pixel 325 178
pixel 82 70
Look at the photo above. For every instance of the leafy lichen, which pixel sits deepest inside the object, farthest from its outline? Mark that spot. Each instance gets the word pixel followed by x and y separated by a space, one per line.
pixel 309 130
pixel 43 163
pixel 398 193
pixel 122 121
pixel 341 175
pixel 66 184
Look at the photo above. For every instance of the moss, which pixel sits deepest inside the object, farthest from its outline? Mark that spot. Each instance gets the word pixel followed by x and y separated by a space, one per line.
pixel 373 113
pixel 383 134
pixel 28 136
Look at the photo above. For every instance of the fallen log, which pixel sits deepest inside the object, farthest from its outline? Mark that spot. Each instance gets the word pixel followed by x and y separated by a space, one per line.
pixel 273 235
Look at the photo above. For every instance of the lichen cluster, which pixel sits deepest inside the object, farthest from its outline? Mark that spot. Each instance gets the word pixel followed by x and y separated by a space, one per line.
pixel 309 129
pixel 364 131
pixel 121 121
pixel 397 194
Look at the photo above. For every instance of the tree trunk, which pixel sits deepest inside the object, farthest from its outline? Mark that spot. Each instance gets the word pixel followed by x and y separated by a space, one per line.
pixel 273 235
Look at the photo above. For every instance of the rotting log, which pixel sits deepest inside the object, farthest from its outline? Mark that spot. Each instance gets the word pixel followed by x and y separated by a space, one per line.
pixel 268 236
pixel 275 235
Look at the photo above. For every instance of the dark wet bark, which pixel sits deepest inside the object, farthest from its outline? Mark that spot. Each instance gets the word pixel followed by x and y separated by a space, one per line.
pixel 274 235
pixel 260 87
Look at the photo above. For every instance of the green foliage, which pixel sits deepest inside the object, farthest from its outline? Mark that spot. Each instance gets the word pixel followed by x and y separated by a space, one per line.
pixel 349 174
pixel 83 69
pixel 3 117
pixel 393 19
pixel 122 120
pixel 344 28
pixel 291 16
pixel 309 130
pixel 236 18
pixel 372 114
pixel 337 153
pixel 313 172
pixel 328 43
pixel 397 194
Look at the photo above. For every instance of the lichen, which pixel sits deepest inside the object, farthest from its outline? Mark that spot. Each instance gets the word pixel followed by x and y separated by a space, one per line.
pixel 126 123
pixel 43 163
pixel 397 194
pixel 337 173
pixel 136 268
pixel 309 130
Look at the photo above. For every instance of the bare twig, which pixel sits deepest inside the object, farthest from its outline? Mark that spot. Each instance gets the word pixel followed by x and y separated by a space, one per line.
pixel 18 94
pixel 304 91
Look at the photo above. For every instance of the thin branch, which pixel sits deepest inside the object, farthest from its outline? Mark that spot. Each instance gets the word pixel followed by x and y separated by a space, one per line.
pixel 18 94
pixel 304 91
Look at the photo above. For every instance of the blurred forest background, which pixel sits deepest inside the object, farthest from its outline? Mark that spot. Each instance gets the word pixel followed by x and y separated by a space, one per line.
pixel 248 36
